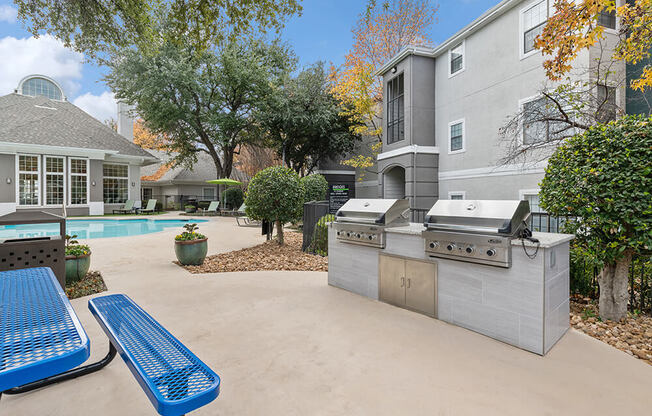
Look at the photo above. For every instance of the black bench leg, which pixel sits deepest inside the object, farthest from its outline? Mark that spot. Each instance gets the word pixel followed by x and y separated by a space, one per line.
pixel 68 375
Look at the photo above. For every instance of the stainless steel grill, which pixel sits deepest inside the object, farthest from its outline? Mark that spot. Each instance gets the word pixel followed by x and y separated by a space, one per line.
pixel 475 231
pixel 363 221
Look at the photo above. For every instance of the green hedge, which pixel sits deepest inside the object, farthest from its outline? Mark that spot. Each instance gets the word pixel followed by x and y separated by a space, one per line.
pixel 319 243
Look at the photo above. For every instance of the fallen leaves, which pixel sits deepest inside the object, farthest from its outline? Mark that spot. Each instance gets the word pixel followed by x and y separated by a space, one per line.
pixel 632 335
pixel 266 256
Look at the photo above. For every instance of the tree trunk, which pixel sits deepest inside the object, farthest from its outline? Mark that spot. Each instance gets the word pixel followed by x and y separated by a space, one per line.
pixel 613 280
pixel 279 233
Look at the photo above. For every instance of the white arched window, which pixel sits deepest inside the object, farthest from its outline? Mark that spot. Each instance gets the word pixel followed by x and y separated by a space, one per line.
pixel 39 86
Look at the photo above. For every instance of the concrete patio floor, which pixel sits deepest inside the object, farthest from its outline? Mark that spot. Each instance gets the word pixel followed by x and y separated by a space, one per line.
pixel 286 343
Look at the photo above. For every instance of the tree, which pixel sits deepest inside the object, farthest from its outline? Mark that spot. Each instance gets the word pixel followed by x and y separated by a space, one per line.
pixel 201 101
pixel 304 122
pixel 275 194
pixel 253 158
pixel 603 179
pixel 574 27
pixel 381 32
pixel 93 27
pixel 144 138
pixel 316 187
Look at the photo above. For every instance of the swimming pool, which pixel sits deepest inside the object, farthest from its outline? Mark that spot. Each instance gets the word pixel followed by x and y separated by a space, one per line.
pixel 99 228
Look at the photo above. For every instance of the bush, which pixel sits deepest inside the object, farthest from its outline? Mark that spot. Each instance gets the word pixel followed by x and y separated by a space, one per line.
pixel 316 187
pixel 319 243
pixel 190 233
pixel 275 194
pixel 602 178
pixel 233 197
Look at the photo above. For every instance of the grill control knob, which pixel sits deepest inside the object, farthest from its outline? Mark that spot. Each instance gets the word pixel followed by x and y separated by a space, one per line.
pixel 450 247
pixel 358 235
pixel 348 234
pixel 338 233
pixel 470 249
pixel 371 237
pixel 433 244
pixel 491 252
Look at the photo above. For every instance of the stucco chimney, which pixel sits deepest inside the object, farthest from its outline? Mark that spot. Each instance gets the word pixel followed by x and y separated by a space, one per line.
pixel 125 121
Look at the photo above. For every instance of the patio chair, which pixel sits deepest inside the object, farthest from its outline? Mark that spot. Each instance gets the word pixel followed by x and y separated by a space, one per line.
pixel 243 220
pixel 127 208
pixel 212 209
pixel 150 208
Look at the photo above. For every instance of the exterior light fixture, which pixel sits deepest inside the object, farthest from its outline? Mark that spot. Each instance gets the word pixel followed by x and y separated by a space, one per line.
pixel 133 184
pixel 8 181
pixel 393 70
pixel 93 183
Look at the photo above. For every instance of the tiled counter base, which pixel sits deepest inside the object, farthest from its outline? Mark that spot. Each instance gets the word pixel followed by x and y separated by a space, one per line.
pixel 526 305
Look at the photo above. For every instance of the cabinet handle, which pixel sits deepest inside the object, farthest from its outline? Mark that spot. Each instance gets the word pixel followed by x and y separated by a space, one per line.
pixel 409 281
pixel 402 281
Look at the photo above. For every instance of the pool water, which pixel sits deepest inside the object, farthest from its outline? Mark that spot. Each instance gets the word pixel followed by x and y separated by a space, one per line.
pixel 95 228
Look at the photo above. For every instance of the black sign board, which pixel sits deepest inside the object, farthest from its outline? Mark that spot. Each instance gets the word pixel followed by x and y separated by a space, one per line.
pixel 337 196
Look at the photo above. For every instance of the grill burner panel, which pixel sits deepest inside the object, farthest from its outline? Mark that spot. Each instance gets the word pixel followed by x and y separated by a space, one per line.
pixel 363 221
pixel 474 231
pixel 486 249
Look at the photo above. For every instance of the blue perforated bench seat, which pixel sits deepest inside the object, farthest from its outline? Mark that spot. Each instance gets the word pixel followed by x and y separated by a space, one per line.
pixel 174 379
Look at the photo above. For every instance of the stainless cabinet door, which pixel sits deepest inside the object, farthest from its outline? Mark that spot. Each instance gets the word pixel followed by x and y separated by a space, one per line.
pixel 421 287
pixel 392 280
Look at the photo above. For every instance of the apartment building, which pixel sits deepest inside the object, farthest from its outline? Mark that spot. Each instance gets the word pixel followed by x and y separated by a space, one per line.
pixel 444 108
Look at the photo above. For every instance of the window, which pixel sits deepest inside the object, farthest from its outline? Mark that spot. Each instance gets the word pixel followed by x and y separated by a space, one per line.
pixel 78 181
pixel 116 183
pixel 456 136
pixel 607 19
pixel 606 103
pixel 41 87
pixel 533 20
pixel 457 195
pixel 208 194
pixel 54 180
pixel 395 110
pixel 147 194
pixel 537 126
pixel 456 57
pixel 28 180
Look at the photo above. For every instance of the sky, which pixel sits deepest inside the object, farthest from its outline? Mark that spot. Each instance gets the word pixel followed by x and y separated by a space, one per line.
pixel 321 33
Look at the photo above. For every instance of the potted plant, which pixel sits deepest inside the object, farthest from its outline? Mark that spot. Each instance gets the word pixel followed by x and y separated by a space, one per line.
pixel 78 259
pixel 190 246
pixel 190 208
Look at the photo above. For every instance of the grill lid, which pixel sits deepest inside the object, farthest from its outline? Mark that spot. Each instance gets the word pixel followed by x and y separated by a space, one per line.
pixel 374 211
pixel 485 217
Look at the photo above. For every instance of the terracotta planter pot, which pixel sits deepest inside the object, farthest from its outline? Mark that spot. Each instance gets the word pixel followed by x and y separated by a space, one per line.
pixel 77 267
pixel 192 252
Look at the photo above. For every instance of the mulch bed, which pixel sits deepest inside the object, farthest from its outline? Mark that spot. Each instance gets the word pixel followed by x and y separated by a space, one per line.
pixel 266 256
pixel 91 283
pixel 632 335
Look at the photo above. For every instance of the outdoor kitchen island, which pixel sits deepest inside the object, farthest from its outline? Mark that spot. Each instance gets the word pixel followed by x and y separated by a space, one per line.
pixel 525 305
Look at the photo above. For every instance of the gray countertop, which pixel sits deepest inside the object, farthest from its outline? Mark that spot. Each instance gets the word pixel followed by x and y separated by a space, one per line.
pixel 546 240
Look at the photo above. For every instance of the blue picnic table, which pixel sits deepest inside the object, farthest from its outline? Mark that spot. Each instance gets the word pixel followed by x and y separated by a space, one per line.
pixel 42 342
pixel 40 335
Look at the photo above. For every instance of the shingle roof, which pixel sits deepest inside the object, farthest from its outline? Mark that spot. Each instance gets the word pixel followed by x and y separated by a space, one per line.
pixel 201 171
pixel 41 121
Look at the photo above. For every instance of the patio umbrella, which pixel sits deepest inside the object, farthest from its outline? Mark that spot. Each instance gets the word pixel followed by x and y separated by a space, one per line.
pixel 225 181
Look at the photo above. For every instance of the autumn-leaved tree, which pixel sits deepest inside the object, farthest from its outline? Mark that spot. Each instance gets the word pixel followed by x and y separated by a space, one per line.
pixel 382 31
pixel 146 139
pixel 574 27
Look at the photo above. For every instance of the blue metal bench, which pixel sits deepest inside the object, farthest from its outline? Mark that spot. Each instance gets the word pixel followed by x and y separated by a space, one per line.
pixel 174 379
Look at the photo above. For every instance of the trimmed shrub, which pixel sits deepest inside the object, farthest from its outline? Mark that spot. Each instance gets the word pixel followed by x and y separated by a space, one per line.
pixel 319 243
pixel 275 194
pixel 316 187
pixel 233 197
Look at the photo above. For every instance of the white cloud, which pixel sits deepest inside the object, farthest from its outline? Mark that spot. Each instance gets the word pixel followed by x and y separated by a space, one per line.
pixel 45 55
pixel 102 106
pixel 7 13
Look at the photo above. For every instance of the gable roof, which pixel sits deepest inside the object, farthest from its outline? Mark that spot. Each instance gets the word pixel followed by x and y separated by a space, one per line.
pixel 201 171
pixel 41 121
